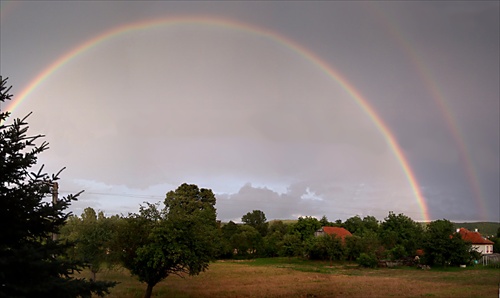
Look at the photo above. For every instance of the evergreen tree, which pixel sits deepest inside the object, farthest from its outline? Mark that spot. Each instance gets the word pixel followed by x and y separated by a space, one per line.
pixel 33 262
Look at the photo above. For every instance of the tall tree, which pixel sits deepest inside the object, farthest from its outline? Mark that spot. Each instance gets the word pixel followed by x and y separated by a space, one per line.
pixel 403 231
pixel 442 246
pixel 326 247
pixel 324 221
pixel 247 241
pixel 354 225
pixel 277 229
pixel 180 239
pixel 256 219
pixel 305 227
pixel 33 263
pixel 370 223
pixel 92 234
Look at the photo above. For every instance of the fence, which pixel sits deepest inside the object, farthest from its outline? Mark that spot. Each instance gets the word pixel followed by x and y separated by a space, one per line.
pixel 490 260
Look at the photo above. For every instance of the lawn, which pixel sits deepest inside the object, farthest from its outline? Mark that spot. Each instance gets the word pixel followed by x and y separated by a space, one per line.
pixel 283 277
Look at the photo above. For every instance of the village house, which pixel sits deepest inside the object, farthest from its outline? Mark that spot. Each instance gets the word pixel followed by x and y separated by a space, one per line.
pixel 479 243
pixel 339 232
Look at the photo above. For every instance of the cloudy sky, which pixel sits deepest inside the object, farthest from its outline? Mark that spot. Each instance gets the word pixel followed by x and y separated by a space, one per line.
pixel 285 107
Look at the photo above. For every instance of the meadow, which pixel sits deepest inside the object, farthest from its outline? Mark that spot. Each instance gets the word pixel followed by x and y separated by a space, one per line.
pixel 292 277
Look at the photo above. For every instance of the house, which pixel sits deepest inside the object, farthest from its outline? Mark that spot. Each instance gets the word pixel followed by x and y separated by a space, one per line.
pixel 479 243
pixel 339 232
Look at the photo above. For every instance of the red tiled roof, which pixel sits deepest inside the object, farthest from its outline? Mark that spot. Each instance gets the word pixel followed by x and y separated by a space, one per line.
pixel 473 237
pixel 341 232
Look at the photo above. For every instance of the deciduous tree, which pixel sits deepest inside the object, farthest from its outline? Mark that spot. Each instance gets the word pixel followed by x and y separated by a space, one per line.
pixel 91 234
pixel 401 230
pixel 442 246
pixel 326 247
pixel 180 239
pixel 256 219
pixel 306 226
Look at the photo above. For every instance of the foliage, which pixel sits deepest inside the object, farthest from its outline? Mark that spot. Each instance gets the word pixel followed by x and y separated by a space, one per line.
pixel 32 262
pixel 273 240
pixel 354 225
pixel 229 229
pixel 291 246
pixel 401 230
pixel 247 241
pixel 305 227
pixel 367 260
pixel 326 247
pixel 277 226
pixel 271 244
pixel 226 249
pixel 442 246
pixel 180 239
pixel 324 221
pixel 91 234
pixel 496 244
pixel 256 219
pixel 353 247
pixel 370 223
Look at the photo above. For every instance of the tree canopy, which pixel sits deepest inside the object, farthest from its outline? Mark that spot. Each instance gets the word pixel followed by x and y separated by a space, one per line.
pixel 180 239
pixel 402 231
pixel 444 247
pixel 92 234
pixel 256 219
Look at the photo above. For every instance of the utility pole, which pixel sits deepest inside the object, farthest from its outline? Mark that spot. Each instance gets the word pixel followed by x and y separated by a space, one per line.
pixel 55 193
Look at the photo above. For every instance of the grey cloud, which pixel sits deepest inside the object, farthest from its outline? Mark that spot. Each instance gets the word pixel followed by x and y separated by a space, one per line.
pixel 221 108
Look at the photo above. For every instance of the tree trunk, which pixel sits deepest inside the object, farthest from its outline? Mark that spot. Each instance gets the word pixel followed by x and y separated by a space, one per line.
pixel 149 291
pixel 93 278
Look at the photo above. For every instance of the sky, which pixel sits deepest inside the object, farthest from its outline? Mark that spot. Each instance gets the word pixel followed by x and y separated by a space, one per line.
pixel 293 108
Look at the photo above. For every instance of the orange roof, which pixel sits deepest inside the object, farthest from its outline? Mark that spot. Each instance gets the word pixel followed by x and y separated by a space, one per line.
pixel 341 232
pixel 473 237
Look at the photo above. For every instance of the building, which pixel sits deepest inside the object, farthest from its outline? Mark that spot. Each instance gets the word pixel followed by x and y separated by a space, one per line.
pixel 339 232
pixel 479 243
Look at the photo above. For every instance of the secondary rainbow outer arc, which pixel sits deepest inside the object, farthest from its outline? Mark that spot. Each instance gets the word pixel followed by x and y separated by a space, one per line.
pixel 347 86
pixel 440 100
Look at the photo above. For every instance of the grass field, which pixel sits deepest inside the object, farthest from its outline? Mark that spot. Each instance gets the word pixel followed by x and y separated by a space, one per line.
pixel 282 277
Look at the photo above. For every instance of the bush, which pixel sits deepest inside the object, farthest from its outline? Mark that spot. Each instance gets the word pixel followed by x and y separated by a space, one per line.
pixel 368 261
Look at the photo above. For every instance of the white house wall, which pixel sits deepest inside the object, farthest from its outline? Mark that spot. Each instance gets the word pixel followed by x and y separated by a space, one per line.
pixel 483 248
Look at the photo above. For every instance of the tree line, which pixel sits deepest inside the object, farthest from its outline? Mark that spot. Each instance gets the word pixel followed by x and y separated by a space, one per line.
pixel 397 237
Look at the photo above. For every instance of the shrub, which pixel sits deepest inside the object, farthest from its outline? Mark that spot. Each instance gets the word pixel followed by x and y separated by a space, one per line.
pixel 366 260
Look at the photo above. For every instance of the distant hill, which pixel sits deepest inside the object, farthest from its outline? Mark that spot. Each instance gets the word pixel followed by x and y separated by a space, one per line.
pixel 285 221
pixel 485 228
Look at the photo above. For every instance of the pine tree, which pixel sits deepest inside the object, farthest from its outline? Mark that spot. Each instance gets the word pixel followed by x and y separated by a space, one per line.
pixel 33 262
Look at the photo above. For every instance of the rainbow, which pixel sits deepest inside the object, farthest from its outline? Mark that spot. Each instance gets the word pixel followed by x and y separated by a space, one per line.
pixel 201 20
pixel 440 101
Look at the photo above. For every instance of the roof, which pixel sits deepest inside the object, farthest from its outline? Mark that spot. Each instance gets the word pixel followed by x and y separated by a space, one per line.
pixel 473 237
pixel 341 232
